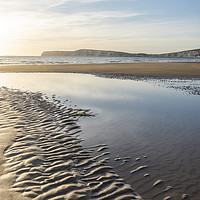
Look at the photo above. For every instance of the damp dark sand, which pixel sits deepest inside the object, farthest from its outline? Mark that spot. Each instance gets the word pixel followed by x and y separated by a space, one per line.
pixel 144 69
pixel 41 156
pixel 162 163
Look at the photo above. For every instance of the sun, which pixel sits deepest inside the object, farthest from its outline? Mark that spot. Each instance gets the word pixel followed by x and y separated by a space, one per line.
pixel 9 31
pixel 4 32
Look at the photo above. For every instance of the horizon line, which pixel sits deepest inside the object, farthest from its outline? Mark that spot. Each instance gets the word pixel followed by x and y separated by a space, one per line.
pixel 101 50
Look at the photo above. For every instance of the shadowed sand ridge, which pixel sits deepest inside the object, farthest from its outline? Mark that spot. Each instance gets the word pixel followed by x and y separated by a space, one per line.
pixel 46 159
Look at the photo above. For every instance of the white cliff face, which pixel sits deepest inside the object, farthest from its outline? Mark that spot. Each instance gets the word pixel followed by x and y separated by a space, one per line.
pixel 184 54
pixel 100 53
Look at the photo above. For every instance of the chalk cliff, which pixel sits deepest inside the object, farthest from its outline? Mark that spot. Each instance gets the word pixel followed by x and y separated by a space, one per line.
pixel 101 53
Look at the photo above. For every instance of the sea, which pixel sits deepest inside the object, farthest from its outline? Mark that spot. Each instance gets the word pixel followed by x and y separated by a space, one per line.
pixel 62 60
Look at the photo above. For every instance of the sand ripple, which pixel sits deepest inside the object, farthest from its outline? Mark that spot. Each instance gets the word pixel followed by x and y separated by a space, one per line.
pixel 46 158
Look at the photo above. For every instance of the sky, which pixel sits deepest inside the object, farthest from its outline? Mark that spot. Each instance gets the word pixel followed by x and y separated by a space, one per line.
pixel 149 26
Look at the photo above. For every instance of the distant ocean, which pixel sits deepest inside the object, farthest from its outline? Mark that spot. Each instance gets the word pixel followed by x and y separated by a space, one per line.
pixel 61 60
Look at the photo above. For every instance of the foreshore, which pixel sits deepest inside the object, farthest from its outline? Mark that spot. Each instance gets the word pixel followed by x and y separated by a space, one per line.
pixel 41 156
pixel 170 69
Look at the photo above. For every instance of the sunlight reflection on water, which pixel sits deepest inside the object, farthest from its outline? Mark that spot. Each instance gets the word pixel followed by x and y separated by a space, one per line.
pixel 134 118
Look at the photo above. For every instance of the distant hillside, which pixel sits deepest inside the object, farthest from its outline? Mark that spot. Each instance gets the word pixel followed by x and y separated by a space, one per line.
pixel 101 53
pixel 195 53
pixel 91 52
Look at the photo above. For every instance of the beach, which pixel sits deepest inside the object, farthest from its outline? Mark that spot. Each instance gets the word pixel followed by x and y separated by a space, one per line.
pixel 41 154
pixel 171 69
pixel 99 100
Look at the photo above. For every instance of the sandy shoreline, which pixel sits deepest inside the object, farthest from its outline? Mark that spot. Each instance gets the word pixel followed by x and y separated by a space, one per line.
pixel 142 69
pixel 41 156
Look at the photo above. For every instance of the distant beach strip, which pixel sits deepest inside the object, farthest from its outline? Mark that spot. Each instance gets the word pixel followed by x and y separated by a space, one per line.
pixel 41 156
pixel 171 69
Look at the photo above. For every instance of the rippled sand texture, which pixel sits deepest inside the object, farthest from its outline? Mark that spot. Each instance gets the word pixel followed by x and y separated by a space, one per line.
pixel 46 159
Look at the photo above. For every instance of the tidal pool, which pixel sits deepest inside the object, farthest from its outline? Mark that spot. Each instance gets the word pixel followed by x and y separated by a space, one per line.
pixel 152 131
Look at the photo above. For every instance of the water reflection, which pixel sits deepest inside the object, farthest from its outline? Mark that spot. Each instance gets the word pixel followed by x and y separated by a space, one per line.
pixel 135 119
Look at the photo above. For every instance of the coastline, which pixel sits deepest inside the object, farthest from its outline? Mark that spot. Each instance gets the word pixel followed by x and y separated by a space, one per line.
pixel 170 69
pixel 30 106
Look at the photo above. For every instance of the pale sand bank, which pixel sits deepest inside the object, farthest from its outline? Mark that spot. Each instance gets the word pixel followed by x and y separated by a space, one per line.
pixel 41 156
pixel 144 69
pixel 7 136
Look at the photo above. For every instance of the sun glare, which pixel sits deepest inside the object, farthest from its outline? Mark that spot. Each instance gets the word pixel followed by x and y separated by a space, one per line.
pixel 9 31
pixel 3 36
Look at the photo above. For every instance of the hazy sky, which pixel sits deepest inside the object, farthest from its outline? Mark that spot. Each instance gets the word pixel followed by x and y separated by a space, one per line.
pixel 28 27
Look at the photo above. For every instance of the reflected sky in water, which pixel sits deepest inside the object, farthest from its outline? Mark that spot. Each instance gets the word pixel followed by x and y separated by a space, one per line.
pixel 124 105
pixel 134 118
pixel 78 87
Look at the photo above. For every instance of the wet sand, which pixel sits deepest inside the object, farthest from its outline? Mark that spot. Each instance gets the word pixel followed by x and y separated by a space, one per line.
pixel 143 69
pixel 41 156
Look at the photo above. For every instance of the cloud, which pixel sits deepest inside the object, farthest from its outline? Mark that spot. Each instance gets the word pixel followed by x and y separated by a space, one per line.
pixel 78 6
pixel 66 12
pixel 36 5
pixel 96 18
pixel 27 6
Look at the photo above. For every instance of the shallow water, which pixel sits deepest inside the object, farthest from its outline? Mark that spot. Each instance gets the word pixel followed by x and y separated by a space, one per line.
pixel 157 127
pixel 60 60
